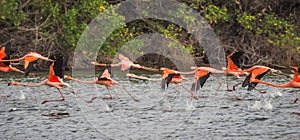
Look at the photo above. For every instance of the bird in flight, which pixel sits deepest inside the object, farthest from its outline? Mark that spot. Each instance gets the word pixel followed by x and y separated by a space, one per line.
pixel 54 80
pixel 106 80
pixel 5 52
pixel 256 73
pixel 294 83
pixel 173 76
pixel 201 75
pixel 125 63
pixel 233 67
pixel 30 59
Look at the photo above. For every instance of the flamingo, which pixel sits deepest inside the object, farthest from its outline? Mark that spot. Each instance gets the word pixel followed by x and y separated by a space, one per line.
pixel 4 54
pixel 54 80
pixel 201 75
pixel 294 83
pixel 173 76
pixel 256 73
pixel 29 60
pixel 104 79
pixel 168 76
pixel 233 67
pixel 125 63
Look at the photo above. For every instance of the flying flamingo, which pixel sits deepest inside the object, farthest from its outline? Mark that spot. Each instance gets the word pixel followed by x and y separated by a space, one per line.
pixel 233 67
pixel 4 55
pixel 256 73
pixel 125 63
pixel 54 80
pixel 106 80
pixel 201 75
pixel 168 76
pixel 294 83
pixel 29 60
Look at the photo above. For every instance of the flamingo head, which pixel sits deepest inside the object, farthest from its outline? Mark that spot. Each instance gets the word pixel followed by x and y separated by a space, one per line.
pixel 162 69
pixel 276 71
pixel 194 68
pixel 68 77
pixel 12 83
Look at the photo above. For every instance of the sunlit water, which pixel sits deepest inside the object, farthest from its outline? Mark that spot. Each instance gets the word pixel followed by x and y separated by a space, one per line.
pixel 216 115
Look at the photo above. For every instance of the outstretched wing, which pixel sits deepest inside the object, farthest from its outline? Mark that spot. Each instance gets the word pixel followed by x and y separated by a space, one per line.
pixel 106 73
pixel 5 53
pixel 253 84
pixel 200 82
pixel 65 62
pixel 235 58
pixel 123 56
pixel 169 78
pixel 247 80
pixel 58 66
pixel 29 67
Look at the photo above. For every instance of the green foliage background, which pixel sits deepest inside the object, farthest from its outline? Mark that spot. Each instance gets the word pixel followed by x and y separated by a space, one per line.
pixel 264 30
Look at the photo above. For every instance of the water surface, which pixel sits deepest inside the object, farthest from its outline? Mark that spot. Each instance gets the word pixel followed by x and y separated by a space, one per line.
pixel 159 114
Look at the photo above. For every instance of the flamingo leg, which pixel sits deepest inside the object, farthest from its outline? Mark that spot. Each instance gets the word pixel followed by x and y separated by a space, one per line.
pixel 128 93
pixel 295 101
pixel 226 83
pixel 76 95
pixel 192 93
pixel 218 81
pixel 62 98
pixel 262 92
pixel 234 86
pixel 109 92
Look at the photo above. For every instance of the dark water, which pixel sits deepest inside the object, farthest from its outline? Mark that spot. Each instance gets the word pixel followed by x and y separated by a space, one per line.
pixel 216 115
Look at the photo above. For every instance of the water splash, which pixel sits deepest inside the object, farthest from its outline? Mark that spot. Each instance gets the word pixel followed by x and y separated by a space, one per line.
pixel 255 106
pixel 21 96
pixel 268 105
pixel 189 106
pixel 279 93
pixel 276 94
pixel 258 105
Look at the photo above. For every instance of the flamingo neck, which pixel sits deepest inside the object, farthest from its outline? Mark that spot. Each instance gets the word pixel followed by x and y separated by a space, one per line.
pixel 287 85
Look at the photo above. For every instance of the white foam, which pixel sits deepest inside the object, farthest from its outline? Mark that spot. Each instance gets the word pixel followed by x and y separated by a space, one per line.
pixel 189 106
pixel 22 95
pixel 268 105
pixel 279 93
pixel 255 106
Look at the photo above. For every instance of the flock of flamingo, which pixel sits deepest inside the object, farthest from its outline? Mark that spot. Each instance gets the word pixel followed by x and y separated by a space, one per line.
pixel 201 74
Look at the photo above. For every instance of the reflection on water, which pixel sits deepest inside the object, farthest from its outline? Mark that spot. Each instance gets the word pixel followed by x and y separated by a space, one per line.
pixel 238 114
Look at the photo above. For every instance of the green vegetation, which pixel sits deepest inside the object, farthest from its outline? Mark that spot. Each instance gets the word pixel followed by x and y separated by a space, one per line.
pixel 266 30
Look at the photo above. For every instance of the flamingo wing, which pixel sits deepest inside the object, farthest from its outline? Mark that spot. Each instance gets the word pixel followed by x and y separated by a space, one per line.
pixel 5 53
pixel 58 66
pixel 252 85
pixel 169 78
pixel 246 82
pixel 29 67
pixel 65 62
pixel 200 82
pixel 123 56
pixel 106 73
pixel 235 58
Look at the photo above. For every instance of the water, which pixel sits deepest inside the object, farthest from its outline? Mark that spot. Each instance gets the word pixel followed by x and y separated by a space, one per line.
pixel 216 115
